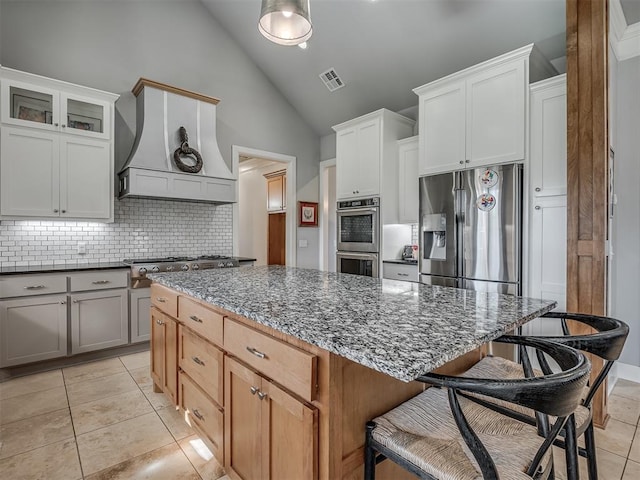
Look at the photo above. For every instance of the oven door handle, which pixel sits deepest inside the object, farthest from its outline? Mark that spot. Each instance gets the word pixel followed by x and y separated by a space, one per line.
pixel 358 211
pixel 368 256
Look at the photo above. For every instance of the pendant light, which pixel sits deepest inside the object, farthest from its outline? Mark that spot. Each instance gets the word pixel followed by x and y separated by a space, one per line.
pixel 285 22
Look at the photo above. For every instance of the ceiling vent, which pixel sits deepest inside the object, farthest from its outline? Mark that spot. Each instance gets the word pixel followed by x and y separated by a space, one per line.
pixel 331 80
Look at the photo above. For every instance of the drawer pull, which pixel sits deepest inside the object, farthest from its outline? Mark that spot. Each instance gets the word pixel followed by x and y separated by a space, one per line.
pixel 262 395
pixel 35 287
pixel 101 282
pixel 403 274
pixel 161 299
pixel 253 390
pixel 198 361
pixel 256 352
pixel 197 414
pixel 195 319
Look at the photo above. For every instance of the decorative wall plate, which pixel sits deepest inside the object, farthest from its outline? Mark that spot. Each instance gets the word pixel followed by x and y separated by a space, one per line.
pixel 486 202
pixel 489 178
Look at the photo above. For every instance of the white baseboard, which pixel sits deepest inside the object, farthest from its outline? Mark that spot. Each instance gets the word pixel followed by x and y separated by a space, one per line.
pixel 623 371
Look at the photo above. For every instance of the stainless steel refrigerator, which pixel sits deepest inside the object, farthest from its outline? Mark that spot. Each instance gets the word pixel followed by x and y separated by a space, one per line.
pixel 471 229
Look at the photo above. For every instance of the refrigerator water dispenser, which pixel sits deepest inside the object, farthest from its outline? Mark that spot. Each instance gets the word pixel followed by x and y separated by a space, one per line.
pixel 434 236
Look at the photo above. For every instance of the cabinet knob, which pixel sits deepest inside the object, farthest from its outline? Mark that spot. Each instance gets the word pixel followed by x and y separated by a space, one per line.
pixel 63 303
pixel 262 395
pixel 467 161
pixel 461 162
pixel 55 210
pixel 537 207
pixel 55 124
pixel 253 390
pixel 64 211
pixel 538 189
pixel 161 299
pixel 159 322
pixel 63 125
pixel 197 414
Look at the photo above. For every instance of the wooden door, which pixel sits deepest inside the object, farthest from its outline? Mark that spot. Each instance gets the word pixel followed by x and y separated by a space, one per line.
pixel 170 385
pixel 276 249
pixel 242 427
pixel 289 436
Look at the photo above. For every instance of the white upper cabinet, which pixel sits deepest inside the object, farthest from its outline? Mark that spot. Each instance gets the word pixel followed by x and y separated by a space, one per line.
pixel 478 116
pixel 408 180
pixel 367 158
pixel 56 149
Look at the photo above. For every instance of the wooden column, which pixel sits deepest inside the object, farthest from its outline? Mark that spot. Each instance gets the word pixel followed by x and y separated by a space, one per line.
pixel 587 147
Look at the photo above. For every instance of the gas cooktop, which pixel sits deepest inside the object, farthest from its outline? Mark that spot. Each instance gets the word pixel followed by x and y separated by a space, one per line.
pixel 141 266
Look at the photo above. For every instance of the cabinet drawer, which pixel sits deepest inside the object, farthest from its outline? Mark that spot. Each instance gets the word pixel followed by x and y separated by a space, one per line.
pixel 202 362
pixel 98 280
pixel 203 412
pixel 200 319
pixel 289 366
pixel 396 271
pixel 24 285
pixel 164 299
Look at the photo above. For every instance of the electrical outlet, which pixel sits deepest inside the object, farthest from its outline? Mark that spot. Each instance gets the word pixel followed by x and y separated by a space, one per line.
pixel 82 248
pixel 302 243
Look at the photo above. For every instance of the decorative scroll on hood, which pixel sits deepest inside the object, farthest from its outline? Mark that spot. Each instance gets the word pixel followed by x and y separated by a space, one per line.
pixel 176 131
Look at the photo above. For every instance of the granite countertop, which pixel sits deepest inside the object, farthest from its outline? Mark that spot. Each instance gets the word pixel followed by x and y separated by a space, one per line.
pixel 401 261
pixel 399 328
pixel 69 267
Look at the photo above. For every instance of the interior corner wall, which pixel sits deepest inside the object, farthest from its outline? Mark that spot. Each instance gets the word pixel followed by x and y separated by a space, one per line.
pixel 625 281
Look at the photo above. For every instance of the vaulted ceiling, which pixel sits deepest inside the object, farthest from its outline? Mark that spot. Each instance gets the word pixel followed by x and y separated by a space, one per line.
pixel 383 49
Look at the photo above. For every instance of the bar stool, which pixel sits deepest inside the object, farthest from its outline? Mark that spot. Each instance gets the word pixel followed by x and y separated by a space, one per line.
pixel 444 433
pixel 607 343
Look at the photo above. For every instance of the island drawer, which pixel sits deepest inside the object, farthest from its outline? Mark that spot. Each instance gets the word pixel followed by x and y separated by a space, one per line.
pixel 397 271
pixel 202 362
pixel 25 285
pixel 98 280
pixel 164 299
pixel 200 319
pixel 202 411
pixel 289 366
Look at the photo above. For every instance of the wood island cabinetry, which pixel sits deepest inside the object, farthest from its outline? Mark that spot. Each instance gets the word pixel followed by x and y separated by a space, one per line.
pixel 268 405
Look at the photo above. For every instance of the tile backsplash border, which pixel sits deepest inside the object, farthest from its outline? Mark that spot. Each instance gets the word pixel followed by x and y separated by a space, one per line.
pixel 142 228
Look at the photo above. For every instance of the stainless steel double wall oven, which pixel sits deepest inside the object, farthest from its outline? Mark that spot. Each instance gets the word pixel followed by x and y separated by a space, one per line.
pixel 359 236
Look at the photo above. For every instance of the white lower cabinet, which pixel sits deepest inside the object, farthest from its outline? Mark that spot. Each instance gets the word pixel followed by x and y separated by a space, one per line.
pixel 140 305
pixel 400 271
pixel 32 329
pixel 99 320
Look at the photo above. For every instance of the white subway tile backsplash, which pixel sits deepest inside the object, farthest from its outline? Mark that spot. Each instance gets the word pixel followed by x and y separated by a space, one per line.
pixel 141 228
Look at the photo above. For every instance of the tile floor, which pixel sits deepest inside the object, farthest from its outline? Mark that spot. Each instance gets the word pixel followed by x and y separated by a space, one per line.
pixel 102 421
pixel 97 421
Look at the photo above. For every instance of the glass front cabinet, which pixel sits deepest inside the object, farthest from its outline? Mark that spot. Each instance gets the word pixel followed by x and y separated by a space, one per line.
pixel 56 149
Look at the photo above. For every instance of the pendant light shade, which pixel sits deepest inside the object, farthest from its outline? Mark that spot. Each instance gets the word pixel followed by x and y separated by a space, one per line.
pixel 285 22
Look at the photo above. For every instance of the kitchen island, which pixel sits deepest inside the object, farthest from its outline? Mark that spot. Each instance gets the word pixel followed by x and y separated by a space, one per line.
pixel 326 351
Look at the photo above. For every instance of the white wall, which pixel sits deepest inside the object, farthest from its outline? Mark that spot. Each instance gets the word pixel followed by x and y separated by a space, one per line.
pixel 626 228
pixel 110 44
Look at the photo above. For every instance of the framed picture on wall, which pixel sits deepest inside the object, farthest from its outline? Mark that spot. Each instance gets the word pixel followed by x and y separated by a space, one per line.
pixel 307 214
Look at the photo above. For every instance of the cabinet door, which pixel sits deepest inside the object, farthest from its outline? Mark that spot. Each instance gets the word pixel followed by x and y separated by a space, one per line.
pixel 85 116
pixel 139 305
pixel 158 327
pixel 30 105
pixel 548 256
pixel 170 386
pixel 275 194
pixel 242 422
pixel 408 182
pixel 29 173
pixel 442 129
pixel 496 115
pixel 32 329
pixel 85 178
pixel 367 176
pixel 99 320
pixel 347 164
pixel 289 436
pixel 548 164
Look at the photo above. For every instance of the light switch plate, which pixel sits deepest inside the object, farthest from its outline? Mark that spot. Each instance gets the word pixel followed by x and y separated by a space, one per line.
pixel 303 243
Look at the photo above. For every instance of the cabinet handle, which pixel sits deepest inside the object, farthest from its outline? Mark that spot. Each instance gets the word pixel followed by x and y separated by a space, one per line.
pixel 198 361
pixel 100 282
pixel 63 125
pixel 159 322
pixel 256 352
pixel 538 189
pixel 195 319
pixel 461 162
pixel 63 303
pixel 64 211
pixel 537 207
pixel 467 161
pixel 55 124
pixel 161 300
pixel 197 414
pixel 253 390
pixel 35 287
pixel 55 210
pixel 403 274
pixel 262 395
